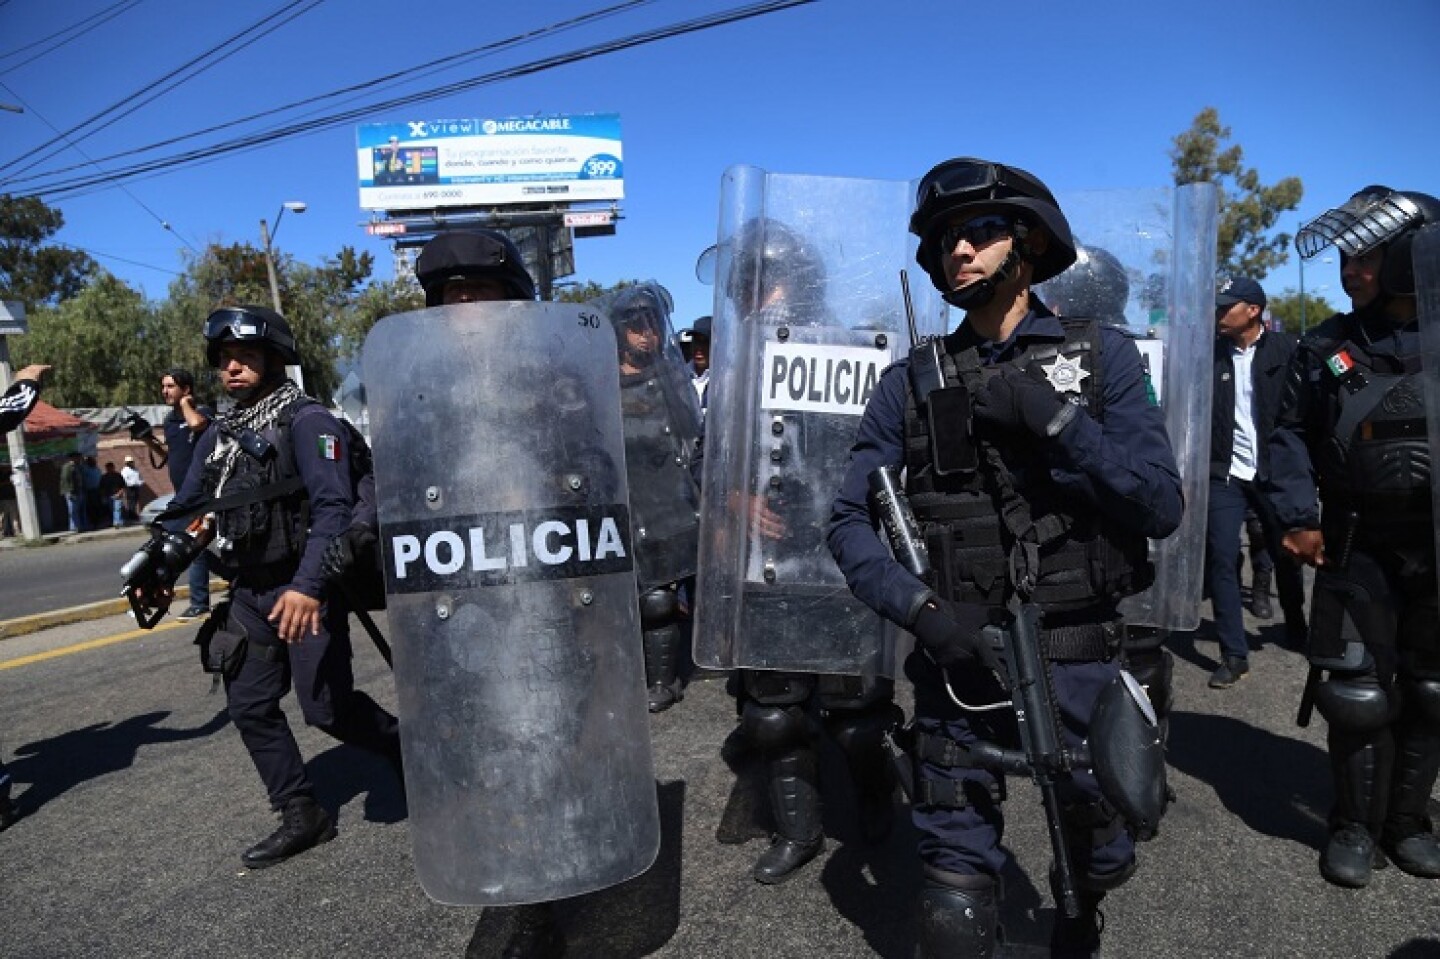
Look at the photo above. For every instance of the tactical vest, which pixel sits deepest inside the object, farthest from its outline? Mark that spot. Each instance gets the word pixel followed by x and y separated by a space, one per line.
pixel 272 528
pixel 1085 559
pixel 1376 458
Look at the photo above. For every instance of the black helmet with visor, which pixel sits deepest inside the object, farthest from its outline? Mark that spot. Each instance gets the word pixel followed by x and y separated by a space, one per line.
pixel 249 324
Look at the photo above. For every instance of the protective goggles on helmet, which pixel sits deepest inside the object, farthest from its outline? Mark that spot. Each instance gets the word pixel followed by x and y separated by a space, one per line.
pixel 1362 224
pixel 977 231
pixel 239 324
pixel 969 180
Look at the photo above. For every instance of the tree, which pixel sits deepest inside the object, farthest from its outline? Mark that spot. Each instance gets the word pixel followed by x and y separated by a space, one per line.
pixel 1286 310
pixel 101 345
pixel 1248 209
pixel 31 272
pixel 587 291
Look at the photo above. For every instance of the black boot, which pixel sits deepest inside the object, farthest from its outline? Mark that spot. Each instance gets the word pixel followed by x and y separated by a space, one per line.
pixel 662 667
pixel 536 934
pixel 794 789
pixel 9 813
pixel 303 825
pixel 1361 764
pixel 958 916
pixel 1407 835
pixel 1260 595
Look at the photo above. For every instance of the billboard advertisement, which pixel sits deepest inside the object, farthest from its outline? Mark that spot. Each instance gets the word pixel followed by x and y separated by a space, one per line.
pixel 426 164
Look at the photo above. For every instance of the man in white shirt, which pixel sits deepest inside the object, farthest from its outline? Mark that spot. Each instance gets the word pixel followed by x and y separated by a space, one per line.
pixel 133 484
pixel 1250 365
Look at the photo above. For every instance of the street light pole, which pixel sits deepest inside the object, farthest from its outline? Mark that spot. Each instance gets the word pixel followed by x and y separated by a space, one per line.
pixel 266 237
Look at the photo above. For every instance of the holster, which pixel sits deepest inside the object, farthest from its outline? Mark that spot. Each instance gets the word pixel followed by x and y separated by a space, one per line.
pixel 1350 608
pixel 1128 756
pixel 223 644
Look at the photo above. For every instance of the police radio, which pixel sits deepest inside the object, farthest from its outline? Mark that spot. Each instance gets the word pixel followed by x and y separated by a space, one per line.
pixel 946 408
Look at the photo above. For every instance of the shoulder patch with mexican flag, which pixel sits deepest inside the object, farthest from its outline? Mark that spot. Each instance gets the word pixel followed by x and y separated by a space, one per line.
pixel 1340 363
pixel 329 446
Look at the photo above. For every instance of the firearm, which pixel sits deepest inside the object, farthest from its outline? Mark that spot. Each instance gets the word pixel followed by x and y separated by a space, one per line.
pixel 1316 673
pixel 149 576
pixel 887 499
pixel 1041 756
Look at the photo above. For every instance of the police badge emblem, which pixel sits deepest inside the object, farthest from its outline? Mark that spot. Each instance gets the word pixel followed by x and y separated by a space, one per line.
pixel 1065 374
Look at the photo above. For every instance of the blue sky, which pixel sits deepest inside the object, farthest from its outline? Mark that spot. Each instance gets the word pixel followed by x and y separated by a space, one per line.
pixel 1086 95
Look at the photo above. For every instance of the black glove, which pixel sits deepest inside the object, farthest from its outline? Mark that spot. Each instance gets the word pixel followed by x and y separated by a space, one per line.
pixel 950 633
pixel 346 550
pixel 1016 400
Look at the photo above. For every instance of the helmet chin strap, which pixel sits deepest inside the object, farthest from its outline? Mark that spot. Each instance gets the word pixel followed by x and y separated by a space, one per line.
pixel 980 292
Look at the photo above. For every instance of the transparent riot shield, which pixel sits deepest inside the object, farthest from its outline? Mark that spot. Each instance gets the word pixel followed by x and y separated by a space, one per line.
pixel 500 473
pixel 808 312
pixel 661 416
pixel 1147 262
pixel 1425 256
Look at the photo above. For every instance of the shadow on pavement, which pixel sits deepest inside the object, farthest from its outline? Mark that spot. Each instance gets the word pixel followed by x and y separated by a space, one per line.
pixel 626 921
pixel 1276 785
pixel 1417 949
pixel 62 762
pixel 344 772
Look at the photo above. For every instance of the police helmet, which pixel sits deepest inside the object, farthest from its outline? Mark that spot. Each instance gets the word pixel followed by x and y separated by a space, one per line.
pixel 249 324
pixel 1095 286
pixel 1376 216
pixel 971 187
pixel 472 254
pixel 766 255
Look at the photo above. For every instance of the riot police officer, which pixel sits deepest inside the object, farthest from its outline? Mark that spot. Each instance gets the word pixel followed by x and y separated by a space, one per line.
pixel 788 614
pixel 276 467
pixel 1070 471
pixel 661 416
pixel 1352 422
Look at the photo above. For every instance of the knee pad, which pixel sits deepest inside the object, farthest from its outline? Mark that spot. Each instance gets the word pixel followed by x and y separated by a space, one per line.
pixel 959 917
pixel 658 607
pixel 855 730
pixel 1154 669
pixel 775 729
pixel 853 692
pixel 1356 704
pixel 1423 696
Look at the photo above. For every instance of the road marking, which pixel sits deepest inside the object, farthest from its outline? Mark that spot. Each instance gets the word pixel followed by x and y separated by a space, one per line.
pixel 89 644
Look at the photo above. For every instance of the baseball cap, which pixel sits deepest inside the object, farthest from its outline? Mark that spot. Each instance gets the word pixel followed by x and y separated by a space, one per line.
pixel 1240 290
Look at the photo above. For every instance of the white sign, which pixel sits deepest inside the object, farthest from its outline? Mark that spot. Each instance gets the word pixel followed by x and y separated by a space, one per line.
pixel 588 218
pixel 429 164
pixel 817 378
pixel 12 318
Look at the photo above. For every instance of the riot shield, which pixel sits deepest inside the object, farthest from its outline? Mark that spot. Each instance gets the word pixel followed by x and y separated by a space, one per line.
pixel 661 416
pixel 500 474
pixel 808 312
pixel 1425 256
pixel 1164 242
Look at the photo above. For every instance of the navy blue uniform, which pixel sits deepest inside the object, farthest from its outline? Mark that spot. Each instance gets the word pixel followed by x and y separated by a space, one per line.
pixel 1122 466
pixel 319 665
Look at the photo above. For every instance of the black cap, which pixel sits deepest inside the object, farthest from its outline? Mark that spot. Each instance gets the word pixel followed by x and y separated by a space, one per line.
pixel 1240 290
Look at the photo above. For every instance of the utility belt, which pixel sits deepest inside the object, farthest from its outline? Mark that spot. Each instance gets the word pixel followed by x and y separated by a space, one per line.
pixel 1384 509
pixel 265 576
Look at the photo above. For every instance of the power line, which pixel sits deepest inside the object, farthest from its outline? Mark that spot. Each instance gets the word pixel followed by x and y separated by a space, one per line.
pixel 264 138
pixel 404 76
pixel 94 20
pixel 133 101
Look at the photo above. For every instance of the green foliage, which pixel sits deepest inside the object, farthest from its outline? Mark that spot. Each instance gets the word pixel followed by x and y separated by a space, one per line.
pixel 587 291
pixel 31 272
pixel 1286 309
pixel 1249 210
pixel 100 343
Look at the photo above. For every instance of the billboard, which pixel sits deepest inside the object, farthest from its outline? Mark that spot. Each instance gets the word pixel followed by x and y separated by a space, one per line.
pixel 427 164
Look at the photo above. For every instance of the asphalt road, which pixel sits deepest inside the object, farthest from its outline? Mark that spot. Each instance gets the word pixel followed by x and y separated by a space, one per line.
pixel 140 799
pixel 37 579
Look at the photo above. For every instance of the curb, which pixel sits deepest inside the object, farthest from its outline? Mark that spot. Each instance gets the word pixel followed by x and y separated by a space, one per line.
pixel 34 623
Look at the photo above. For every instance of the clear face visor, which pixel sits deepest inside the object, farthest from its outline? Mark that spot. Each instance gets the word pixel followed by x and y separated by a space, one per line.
pixel 1359 226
